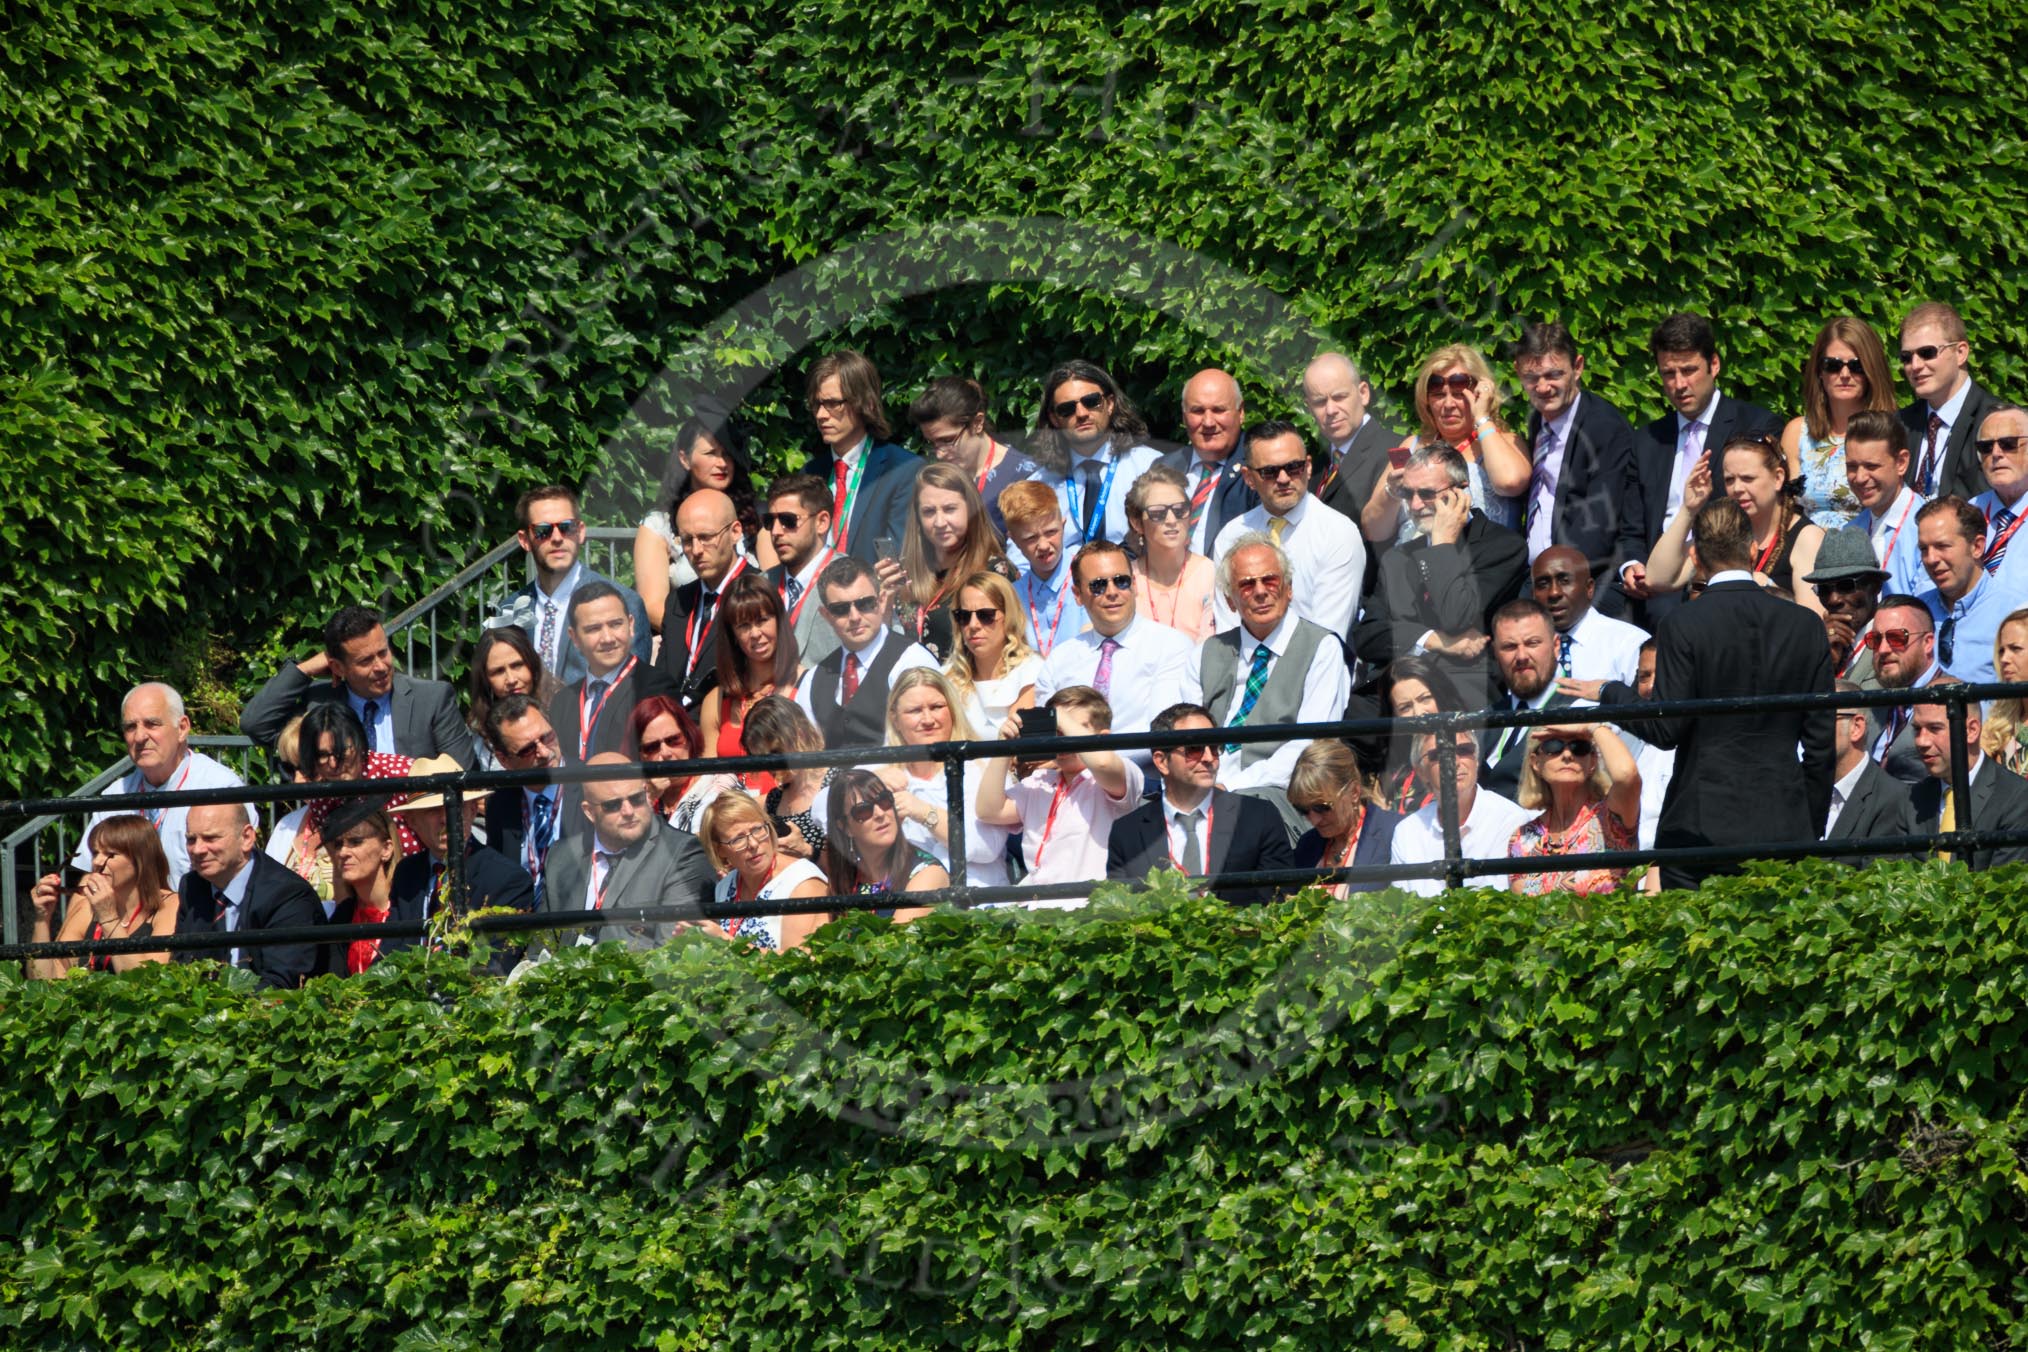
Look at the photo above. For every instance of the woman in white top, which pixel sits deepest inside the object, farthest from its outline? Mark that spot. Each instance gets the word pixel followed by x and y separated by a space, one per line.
pixel 922 709
pixel 740 845
pixel 711 452
pixel 993 669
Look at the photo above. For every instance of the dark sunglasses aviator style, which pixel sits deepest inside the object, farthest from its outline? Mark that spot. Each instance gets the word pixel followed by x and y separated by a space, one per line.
pixel 2000 445
pixel 1098 586
pixel 1894 640
pixel 862 811
pixel 636 799
pixel 1460 382
pixel 786 520
pixel 1069 407
pixel 1292 469
pixel 865 605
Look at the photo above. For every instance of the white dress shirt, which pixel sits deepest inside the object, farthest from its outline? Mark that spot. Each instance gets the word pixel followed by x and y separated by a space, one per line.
pixel 559 639
pixel 1657 768
pixel 1326 554
pixel 1544 476
pixel 1950 411
pixel 1172 820
pixel 1132 464
pixel 234 918
pixel 1604 649
pixel 1200 534
pixel 195 771
pixel 1841 793
pixel 1485 834
pixel 2012 571
pixel 1326 687
pixel 1154 667
pixel 913 655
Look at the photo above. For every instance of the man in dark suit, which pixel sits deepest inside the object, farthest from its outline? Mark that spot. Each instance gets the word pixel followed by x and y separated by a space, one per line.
pixel 1438 591
pixel 233 887
pixel 400 714
pixel 1999 796
pixel 590 715
pixel 631 857
pixel 1865 803
pixel 1583 493
pixel 552 534
pixel 1524 651
pixel 422 884
pixel 1903 644
pixel 1213 413
pixel 870 478
pixel 523 823
pixel 1948 407
pixel 708 529
pixel 1356 443
pixel 1193 826
pixel 1737 778
pixel 798 521
pixel 1700 421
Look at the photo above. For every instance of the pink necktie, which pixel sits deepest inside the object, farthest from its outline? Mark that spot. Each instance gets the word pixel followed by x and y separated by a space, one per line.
pixel 1102 679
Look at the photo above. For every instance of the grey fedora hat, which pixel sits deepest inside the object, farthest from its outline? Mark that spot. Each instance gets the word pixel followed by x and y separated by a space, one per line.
pixel 1845 553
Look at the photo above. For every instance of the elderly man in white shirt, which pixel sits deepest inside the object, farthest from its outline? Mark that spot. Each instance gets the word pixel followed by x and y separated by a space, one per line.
pixel 157 733
pixel 1327 556
pixel 1487 822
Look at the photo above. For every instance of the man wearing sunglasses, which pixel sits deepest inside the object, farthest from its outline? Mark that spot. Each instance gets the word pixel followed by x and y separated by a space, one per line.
pixel 1965 602
pixel 1195 826
pixel 1847 580
pixel 1092 444
pixel 1486 821
pixel 1211 464
pixel 1948 406
pixel 1999 796
pixel 630 857
pixel 845 695
pixel 1327 555
pixel 552 534
pixel 2002 446
pixel 1139 666
pixel 1701 419
pixel 798 521
pixel 1903 646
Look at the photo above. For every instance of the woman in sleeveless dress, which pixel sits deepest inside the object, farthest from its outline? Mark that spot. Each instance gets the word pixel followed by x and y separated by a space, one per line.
pixel 740 845
pixel 1846 373
pixel 758 661
pixel 125 896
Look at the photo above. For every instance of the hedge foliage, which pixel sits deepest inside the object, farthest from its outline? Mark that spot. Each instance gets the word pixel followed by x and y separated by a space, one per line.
pixel 292 303
pixel 1783 1112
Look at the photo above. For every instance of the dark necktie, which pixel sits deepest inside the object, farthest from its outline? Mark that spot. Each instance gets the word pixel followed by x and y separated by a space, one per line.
pixel 1094 523
pixel 1926 475
pixel 224 905
pixel 373 725
pixel 794 591
pixel 1563 653
pixel 1998 549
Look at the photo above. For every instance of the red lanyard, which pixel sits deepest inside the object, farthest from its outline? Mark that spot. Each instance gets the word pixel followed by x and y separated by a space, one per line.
pixel 2000 542
pixel 690 626
pixel 1895 538
pixel 1055 617
pixel 587 722
pixel 1767 555
pixel 1177 863
pixel 155 815
pixel 986 466
pixel 796 611
pixel 1063 787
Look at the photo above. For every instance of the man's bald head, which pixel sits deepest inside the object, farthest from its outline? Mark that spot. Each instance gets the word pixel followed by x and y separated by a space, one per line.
pixel 1561 577
pixel 219 838
pixel 1213 412
pixel 618 808
pixel 1337 396
pixel 707 526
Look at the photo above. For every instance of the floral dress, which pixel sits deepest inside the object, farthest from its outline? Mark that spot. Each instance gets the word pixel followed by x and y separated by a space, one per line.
pixel 1597 829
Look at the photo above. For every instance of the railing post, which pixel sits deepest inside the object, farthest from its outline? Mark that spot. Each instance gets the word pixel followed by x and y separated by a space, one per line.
pixel 1961 769
pixel 10 924
pixel 1447 805
pixel 954 805
pixel 454 848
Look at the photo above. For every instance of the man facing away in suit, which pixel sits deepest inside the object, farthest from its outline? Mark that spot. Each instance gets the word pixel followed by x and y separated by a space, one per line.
pixel 631 857
pixel 1194 826
pixel 232 887
pixel 1948 406
pixel 1999 796
pixel 798 521
pixel 1213 412
pixel 551 531
pixel 401 715
pixel 1865 803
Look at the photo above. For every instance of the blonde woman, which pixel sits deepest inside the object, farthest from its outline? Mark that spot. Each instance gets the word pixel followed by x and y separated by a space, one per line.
pixel 994 669
pixel 1457 401
pixel 740 844
pixel 923 709
pixel 1583 781
pixel 1348 826
pixel 1172 585
pixel 2004 735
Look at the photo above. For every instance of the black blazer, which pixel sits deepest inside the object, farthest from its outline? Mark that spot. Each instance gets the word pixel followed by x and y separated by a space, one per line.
pixel 1230 496
pixel 1737 779
pixel 1448 588
pixel 1999 803
pixel 1598 499
pixel 1503 776
pixel 1958 469
pixel 507 825
pixel 1346 485
pixel 276 898
pixel 1247 836
pixel 881 507
pixel 1657 463
pixel 491 879
pixel 609 729
pixel 1375 846
pixel 1880 806
pixel 702 677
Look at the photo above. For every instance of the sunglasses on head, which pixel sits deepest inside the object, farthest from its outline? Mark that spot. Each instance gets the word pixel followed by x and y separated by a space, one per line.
pixel 542 530
pixel 862 811
pixel 865 605
pixel 1551 747
pixel 1098 586
pixel 786 520
pixel 638 798
pixel 2004 445
pixel 1069 407
pixel 1831 366
pixel 1894 640
pixel 1461 382
pixel 984 614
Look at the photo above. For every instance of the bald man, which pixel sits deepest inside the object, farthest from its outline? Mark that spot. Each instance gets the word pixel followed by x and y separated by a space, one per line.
pixel 1591 648
pixel 1214 410
pixel 708 529
pixel 1354 482
pixel 232 887
pixel 629 857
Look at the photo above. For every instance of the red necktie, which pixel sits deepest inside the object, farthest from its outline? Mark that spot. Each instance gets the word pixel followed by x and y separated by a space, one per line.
pixel 851 676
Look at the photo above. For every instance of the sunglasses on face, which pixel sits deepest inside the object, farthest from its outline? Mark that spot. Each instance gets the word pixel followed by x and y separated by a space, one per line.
pixel 1459 382
pixel 1430 495
pixel 865 605
pixel 638 798
pixel 1466 753
pixel 1831 366
pixel 1265 582
pixel 1894 640
pixel 655 750
pixel 1175 511
pixel 542 530
pixel 1317 809
pixel 1069 407
pixel 1292 469
pixel 984 614
pixel 786 520
pixel 1840 586
pixel 1549 748
pixel 1098 586
pixel 1194 751
pixel 831 406
pixel 862 811
pixel 1927 352
pixel 2000 445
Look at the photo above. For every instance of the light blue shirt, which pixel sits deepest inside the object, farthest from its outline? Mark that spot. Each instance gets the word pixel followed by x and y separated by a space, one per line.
pixel 1132 463
pixel 1893 534
pixel 1975 622
pixel 380 731
pixel 1048 622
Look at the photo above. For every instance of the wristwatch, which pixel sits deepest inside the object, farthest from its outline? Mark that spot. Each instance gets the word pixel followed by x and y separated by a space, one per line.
pixel 931 818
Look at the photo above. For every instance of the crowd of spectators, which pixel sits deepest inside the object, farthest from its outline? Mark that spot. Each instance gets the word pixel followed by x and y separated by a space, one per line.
pixel 1086 581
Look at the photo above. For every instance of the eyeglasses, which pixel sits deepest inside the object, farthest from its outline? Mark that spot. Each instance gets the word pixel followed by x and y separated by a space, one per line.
pixel 323 757
pixel 1407 494
pixel 1894 640
pixel 1098 586
pixel 1927 352
pixel 542 530
pixel 984 615
pixel 653 751
pixel 1999 445
pixel 1831 366
pixel 865 605
pixel 547 741
pixel 862 811
pixel 1549 748
pixel 1174 511
pixel 1459 382
pixel 638 798
pixel 945 445
pixel 831 406
pixel 751 838
pixel 1265 582
pixel 699 541
pixel 1293 469
pixel 1069 407
pixel 786 520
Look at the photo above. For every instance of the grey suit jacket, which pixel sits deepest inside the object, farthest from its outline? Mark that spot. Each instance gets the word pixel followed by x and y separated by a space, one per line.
pixel 1902 761
pixel 815 638
pixel 426 717
pixel 523 611
pixel 667 868
pixel 1999 803
pixel 1879 807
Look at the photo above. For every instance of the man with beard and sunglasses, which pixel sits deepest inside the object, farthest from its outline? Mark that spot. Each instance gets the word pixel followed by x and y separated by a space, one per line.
pixel 845 695
pixel 1092 444
pixel 1903 644
pixel 630 857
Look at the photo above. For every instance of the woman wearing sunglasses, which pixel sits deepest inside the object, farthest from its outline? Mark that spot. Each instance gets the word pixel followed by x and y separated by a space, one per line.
pixel 760 661
pixel 740 844
pixel 949 538
pixel 1785 541
pixel 950 417
pixel 660 730
pixel 923 708
pixel 1348 826
pixel 1583 781
pixel 1091 443
pixel 994 669
pixel 1846 373
pixel 1458 403
pixel 711 452
pixel 1172 585
pixel 868 853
